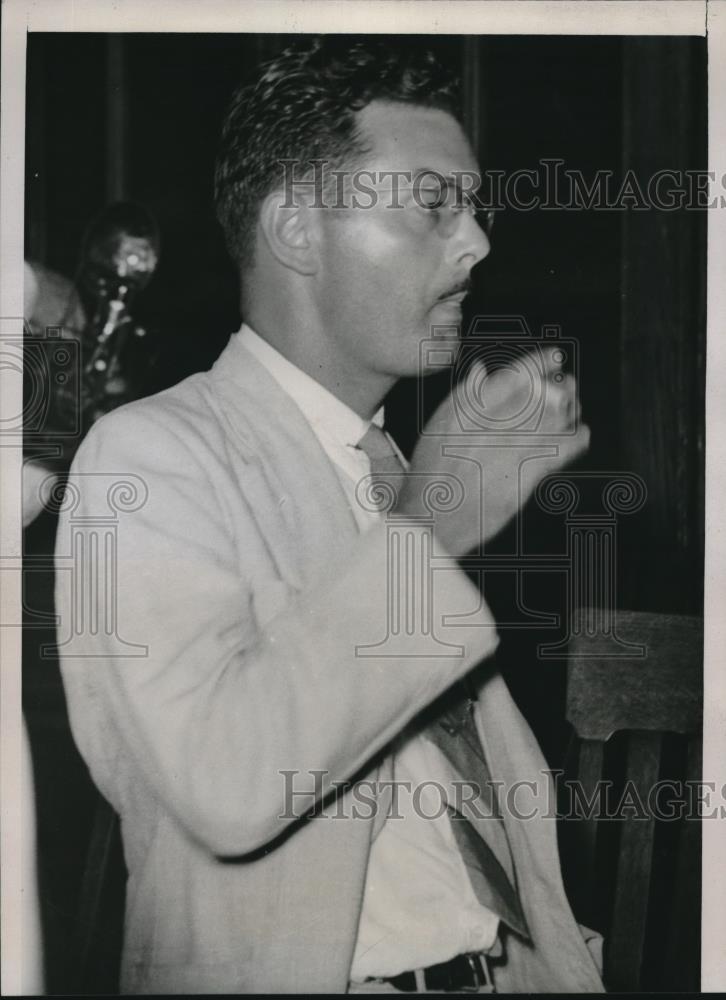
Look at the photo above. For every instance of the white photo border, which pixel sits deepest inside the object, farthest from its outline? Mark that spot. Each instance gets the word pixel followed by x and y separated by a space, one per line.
pixel 530 17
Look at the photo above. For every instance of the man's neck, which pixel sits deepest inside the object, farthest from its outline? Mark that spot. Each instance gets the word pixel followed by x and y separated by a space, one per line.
pixel 363 393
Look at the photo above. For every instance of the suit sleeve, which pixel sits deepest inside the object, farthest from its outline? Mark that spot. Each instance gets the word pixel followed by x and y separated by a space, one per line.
pixel 213 706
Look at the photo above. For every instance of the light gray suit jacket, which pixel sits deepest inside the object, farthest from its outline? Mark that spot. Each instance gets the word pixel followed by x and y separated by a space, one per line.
pixel 244 580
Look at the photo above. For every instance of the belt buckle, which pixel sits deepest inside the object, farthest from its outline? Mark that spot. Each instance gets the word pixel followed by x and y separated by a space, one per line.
pixel 480 971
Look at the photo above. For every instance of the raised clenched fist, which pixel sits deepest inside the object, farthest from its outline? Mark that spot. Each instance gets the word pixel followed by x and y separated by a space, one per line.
pixel 497 463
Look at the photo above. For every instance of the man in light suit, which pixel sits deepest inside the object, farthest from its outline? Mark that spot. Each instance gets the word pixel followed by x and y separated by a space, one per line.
pixel 305 806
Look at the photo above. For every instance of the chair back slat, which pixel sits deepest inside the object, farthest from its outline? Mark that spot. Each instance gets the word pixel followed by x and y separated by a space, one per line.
pixel 626 944
pixel 684 936
pixel 589 773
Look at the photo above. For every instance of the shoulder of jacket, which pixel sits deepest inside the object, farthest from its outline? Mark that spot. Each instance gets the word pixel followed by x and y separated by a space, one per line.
pixel 182 420
pixel 182 406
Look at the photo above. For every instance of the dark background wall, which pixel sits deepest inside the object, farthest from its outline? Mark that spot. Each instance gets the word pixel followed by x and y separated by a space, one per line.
pixel 137 117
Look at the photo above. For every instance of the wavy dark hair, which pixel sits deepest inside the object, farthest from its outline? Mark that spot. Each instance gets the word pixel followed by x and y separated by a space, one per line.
pixel 301 106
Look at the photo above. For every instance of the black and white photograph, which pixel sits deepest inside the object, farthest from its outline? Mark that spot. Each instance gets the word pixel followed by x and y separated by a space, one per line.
pixel 363 454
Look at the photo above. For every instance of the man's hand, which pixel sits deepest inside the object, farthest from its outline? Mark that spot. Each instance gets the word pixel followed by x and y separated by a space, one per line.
pixel 497 470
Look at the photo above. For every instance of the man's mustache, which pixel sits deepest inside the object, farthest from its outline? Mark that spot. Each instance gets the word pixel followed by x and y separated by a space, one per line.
pixel 461 287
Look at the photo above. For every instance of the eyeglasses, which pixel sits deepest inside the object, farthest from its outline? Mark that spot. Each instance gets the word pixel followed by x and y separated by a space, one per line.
pixel 486 218
pixel 446 204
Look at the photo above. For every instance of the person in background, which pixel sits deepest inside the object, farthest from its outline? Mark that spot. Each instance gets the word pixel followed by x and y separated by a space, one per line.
pixel 50 302
pixel 108 355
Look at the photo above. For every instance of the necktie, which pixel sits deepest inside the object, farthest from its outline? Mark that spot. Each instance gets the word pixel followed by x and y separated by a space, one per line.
pixel 454 732
pixel 480 839
pixel 387 469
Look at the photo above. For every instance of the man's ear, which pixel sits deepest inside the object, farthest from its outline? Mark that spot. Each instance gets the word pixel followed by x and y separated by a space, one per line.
pixel 289 233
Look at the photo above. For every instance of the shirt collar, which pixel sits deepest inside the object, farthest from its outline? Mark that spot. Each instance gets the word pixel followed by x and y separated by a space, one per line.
pixel 324 411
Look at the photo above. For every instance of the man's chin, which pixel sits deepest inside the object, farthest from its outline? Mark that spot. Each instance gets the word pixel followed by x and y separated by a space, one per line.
pixel 447 334
pixel 440 348
pixel 446 311
pixel 431 348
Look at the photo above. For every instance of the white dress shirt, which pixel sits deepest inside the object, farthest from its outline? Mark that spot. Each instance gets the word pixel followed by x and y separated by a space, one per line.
pixel 419 907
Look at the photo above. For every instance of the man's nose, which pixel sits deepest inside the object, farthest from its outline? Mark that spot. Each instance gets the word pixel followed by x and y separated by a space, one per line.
pixel 471 242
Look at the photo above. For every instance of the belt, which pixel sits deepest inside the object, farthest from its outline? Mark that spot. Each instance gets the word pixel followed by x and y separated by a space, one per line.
pixel 468 973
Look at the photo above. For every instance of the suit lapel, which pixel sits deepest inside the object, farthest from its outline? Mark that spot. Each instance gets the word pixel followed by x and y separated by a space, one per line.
pixel 295 493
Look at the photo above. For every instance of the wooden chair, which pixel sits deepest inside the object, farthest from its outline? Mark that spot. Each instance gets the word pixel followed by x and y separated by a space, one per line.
pixel 641 889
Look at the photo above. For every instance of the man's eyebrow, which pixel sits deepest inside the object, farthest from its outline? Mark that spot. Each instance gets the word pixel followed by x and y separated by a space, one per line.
pixel 453 180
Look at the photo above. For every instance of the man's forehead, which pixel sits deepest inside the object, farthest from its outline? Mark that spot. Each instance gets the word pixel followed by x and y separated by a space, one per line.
pixel 410 137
